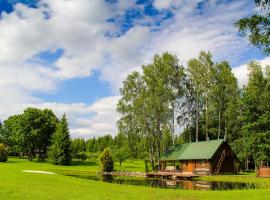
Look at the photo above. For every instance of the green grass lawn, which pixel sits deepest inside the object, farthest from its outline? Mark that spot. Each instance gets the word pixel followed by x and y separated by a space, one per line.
pixel 15 184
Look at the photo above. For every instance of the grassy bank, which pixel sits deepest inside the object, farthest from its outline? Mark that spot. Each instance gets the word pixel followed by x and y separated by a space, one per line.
pixel 243 178
pixel 15 184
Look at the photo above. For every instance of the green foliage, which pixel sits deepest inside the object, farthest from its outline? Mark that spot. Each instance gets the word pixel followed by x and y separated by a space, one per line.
pixel 146 168
pixel 253 142
pixel 3 153
pixel 257 26
pixel 120 155
pixel 81 156
pixel 30 133
pixel 147 102
pixel 60 150
pixel 106 161
pixel 78 145
pixel 200 73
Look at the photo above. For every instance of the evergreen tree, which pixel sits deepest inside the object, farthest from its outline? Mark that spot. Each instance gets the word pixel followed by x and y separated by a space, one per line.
pixel 60 151
pixel 255 117
pixel 106 161
pixel 3 153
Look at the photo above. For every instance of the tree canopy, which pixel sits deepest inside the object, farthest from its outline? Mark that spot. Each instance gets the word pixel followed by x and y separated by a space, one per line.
pixel 257 26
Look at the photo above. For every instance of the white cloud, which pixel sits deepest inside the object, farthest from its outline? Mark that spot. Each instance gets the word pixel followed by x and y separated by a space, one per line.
pixel 241 72
pixel 191 31
pixel 79 28
pixel 85 120
pixel 162 4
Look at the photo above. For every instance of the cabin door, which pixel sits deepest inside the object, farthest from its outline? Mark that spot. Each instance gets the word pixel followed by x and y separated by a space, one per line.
pixel 190 166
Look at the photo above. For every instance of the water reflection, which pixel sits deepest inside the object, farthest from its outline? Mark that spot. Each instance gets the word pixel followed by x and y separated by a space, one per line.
pixel 175 184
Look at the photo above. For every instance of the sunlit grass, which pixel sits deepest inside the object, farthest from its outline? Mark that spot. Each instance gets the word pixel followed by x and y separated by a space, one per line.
pixel 15 184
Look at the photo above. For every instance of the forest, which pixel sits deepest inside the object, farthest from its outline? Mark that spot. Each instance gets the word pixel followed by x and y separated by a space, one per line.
pixel 169 103
pixel 164 105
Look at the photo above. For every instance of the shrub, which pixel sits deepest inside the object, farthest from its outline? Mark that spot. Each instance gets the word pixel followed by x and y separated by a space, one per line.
pixel 3 153
pixel 106 161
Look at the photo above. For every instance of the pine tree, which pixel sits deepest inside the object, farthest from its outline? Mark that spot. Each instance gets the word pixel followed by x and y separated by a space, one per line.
pixel 60 150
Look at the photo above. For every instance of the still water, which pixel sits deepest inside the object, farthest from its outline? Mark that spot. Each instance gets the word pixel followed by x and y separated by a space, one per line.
pixel 174 184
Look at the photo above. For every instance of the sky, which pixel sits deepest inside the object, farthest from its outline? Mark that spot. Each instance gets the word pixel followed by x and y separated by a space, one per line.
pixel 72 55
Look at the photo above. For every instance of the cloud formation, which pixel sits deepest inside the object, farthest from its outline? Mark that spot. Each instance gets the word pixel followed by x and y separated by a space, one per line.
pixel 90 41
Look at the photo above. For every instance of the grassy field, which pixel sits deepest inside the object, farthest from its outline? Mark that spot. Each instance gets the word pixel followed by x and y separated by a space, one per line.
pixel 15 184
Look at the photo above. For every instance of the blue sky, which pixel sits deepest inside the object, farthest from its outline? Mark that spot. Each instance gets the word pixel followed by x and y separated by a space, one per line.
pixel 72 56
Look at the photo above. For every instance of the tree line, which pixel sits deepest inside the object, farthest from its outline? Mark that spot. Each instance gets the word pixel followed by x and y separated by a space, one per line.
pixel 168 103
pixel 38 134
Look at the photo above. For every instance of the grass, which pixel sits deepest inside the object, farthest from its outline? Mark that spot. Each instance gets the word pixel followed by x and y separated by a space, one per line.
pixel 243 178
pixel 15 184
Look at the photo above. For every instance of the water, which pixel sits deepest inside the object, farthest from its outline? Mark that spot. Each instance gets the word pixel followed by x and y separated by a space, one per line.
pixel 174 184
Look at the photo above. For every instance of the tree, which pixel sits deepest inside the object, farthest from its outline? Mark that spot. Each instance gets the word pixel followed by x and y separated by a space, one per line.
pixel 30 133
pixel 129 106
pixel 78 147
pixel 11 134
pixel 225 99
pixel 60 150
pixel 148 100
pixel 255 117
pixel 80 156
pixel 3 153
pixel 92 145
pixel 121 155
pixel 257 26
pixel 200 72
pixel 106 161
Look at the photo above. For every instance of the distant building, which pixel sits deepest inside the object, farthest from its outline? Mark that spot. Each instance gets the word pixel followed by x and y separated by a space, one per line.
pixel 205 157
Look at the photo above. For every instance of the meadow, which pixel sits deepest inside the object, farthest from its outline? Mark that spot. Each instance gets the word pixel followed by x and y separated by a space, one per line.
pixel 16 184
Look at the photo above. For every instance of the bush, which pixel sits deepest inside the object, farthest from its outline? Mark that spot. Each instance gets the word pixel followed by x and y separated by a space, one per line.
pixel 106 161
pixel 3 153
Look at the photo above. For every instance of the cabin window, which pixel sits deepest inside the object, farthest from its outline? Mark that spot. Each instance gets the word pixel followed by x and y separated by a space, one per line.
pixel 203 163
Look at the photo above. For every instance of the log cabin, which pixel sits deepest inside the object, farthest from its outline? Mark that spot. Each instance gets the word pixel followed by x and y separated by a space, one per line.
pixel 200 158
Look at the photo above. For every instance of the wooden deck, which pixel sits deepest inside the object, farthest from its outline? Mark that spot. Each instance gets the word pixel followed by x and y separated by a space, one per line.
pixel 163 175
pixel 134 174
pixel 171 175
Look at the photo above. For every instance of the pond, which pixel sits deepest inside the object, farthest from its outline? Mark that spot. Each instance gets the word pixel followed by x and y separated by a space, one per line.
pixel 174 184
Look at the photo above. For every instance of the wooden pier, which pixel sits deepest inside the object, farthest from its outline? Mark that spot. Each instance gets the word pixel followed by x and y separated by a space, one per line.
pixel 171 175
pixel 161 175
pixel 131 174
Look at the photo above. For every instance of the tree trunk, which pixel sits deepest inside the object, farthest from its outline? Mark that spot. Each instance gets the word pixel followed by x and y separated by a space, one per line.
pixel 173 125
pixel 219 120
pixel 206 120
pixel 197 119
pixel 225 130
pixel 151 156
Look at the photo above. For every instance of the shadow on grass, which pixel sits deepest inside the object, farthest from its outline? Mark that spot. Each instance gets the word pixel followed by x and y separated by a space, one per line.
pixel 85 163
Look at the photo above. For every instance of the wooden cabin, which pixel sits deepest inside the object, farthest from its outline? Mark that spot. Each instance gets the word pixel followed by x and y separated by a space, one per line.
pixel 201 158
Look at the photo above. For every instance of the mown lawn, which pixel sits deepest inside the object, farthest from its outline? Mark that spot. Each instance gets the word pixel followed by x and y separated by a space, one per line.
pixel 15 184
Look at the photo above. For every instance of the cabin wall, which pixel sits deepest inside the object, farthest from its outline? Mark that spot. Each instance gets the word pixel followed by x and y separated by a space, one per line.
pixel 228 162
pixel 192 165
